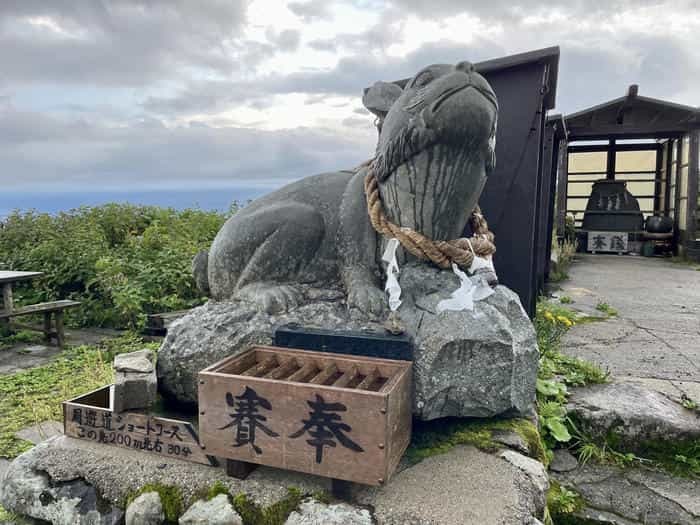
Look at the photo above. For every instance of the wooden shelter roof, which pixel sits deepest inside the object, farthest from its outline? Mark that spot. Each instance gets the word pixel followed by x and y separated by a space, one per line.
pixel 632 116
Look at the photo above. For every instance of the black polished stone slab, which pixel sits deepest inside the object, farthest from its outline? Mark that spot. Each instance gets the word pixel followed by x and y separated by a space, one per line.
pixel 363 343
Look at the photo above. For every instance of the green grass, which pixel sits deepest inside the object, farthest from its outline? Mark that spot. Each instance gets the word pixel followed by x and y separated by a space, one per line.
pixel 562 503
pixel 276 514
pixel 21 336
pixel 254 514
pixel 606 309
pixel 34 396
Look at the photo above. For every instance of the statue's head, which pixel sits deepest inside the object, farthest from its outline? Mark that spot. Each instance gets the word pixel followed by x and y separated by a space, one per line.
pixel 441 104
pixel 436 142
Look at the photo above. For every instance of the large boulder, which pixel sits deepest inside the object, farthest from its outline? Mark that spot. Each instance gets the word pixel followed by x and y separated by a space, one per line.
pixel 632 414
pixel 32 492
pixel 479 363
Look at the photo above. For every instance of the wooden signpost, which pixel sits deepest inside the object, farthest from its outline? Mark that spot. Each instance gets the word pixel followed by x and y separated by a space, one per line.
pixel 343 417
pixel 91 417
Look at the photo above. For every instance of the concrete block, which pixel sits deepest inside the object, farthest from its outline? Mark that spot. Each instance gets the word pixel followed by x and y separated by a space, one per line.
pixel 135 384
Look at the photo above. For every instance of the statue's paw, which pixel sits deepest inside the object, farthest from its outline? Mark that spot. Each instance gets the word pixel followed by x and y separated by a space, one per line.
pixel 271 298
pixel 368 299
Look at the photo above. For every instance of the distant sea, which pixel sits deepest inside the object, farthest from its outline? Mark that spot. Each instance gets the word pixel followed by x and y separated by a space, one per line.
pixel 53 202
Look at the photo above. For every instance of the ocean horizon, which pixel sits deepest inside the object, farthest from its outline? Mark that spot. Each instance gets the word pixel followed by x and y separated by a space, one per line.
pixel 219 199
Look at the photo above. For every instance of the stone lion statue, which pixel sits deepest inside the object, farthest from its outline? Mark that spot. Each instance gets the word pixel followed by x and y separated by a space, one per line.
pixel 434 153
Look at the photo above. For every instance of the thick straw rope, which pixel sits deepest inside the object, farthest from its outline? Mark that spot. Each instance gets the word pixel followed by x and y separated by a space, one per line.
pixel 442 253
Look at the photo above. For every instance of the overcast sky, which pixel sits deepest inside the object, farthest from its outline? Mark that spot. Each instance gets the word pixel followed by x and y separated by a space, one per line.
pixel 193 93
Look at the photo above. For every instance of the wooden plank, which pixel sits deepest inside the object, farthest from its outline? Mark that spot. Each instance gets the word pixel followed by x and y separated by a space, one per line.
pixel 261 368
pixel 52 306
pixel 324 375
pixel 399 409
pixel 346 378
pixel 239 363
pixel 162 320
pixel 692 187
pixel 7 302
pixel 60 332
pixel 365 365
pixel 303 373
pixel 91 418
pixel 47 327
pixel 283 370
pixel 369 380
pixel 13 277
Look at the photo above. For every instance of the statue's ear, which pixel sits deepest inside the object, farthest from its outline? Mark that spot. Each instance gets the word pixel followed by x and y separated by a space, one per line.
pixel 380 97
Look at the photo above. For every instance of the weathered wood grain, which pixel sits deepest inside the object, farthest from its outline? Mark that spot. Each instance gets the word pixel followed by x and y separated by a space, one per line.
pixel 90 417
pixel 52 306
pixel 345 432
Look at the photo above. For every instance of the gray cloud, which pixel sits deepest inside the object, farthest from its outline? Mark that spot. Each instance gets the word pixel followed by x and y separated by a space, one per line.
pixel 662 67
pixel 513 10
pixel 196 52
pixel 287 40
pixel 349 77
pixel 145 153
pixel 311 10
pixel 125 42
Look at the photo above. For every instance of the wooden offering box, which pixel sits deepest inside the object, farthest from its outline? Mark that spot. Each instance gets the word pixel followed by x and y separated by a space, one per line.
pixel 339 416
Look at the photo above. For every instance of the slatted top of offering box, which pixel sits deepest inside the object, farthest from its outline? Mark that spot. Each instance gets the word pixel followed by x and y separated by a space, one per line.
pixel 344 417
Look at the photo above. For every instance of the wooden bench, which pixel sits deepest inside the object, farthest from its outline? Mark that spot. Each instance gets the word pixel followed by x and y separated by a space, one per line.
pixel 54 308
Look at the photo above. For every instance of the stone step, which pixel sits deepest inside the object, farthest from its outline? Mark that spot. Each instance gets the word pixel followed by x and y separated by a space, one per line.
pixel 632 496
pixel 631 415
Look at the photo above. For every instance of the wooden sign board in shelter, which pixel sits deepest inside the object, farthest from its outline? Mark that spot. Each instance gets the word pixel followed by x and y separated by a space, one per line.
pixel 340 416
pixel 90 417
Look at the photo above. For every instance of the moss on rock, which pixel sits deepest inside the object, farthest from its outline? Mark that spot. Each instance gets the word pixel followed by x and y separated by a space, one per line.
pixel 276 514
pixel 438 437
pixel 170 497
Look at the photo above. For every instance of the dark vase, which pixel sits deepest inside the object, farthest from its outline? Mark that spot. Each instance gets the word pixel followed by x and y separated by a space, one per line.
pixel 657 224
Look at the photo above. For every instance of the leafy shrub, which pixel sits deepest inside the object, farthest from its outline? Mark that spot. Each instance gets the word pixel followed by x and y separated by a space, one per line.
pixel 556 372
pixel 564 252
pixel 122 261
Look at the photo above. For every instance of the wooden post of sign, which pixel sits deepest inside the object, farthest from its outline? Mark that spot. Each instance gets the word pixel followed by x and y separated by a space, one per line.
pixel 7 307
pixel 47 327
pixel 341 489
pixel 239 469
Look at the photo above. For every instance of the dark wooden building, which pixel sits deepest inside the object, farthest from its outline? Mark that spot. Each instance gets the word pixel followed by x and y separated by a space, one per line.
pixel 518 200
pixel 650 144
